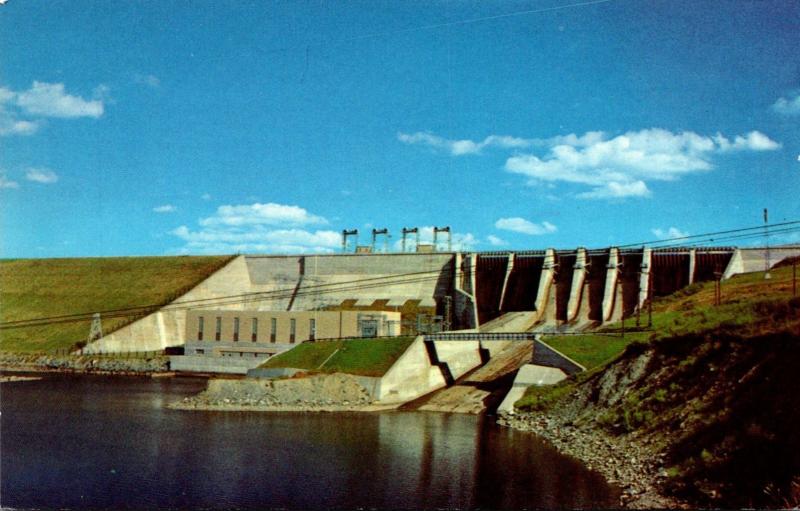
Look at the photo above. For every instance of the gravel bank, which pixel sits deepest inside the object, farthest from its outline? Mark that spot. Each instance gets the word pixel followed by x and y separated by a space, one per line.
pixel 82 364
pixel 318 393
pixel 631 463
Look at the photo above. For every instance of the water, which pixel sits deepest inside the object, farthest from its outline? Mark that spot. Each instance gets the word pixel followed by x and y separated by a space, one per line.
pixel 109 442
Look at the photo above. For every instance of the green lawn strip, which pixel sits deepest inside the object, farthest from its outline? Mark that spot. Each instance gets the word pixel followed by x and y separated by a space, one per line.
pixel 593 350
pixel 308 355
pixel 42 288
pixel 365 357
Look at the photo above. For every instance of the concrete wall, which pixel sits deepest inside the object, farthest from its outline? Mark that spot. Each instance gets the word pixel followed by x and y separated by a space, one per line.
pixel 528 375
pixel 749 260
pixel 201 364
pixel 329 280
pixel 413 374
pixel 166 327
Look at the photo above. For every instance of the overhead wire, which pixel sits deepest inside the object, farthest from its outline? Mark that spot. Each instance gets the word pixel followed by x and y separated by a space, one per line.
pixel 368 283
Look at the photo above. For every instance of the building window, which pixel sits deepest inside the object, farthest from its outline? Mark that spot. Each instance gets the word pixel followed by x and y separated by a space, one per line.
pixel 292 328
pixel 200 328
pixel 273 329
pixel 235 329
pixel 254 335
pixel 200 352
pixel 312 329
pixel 218 331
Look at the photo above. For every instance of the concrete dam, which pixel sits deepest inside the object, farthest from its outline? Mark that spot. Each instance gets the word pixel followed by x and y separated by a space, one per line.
pixel 550 289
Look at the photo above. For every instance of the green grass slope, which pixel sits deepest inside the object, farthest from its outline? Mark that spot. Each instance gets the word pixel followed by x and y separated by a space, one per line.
pixel 364 357
pixel 688 311
pixel 41 288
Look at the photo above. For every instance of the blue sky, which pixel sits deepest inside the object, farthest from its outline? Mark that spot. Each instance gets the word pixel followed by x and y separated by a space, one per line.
pixel 148 128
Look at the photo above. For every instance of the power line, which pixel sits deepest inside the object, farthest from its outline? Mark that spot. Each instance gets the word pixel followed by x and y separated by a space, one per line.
pixel 433 26
pixel 353 285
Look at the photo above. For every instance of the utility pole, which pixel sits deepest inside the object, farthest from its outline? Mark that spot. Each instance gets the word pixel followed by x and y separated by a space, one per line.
pixel 767 276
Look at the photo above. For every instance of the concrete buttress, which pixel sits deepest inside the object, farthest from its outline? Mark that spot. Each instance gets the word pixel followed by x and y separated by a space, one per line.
pixel 576 290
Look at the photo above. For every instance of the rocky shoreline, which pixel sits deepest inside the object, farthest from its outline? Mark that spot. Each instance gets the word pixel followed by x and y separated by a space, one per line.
pixel 318 393
pixel 21 362
pixel 632 464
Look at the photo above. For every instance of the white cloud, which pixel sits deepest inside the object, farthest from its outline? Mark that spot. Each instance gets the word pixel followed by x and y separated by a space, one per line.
pixel 753 141
pixel 9 123
pixel 789 105
pixel 206 196
pixel 257 238
pixel 51 100
pixel 23 113
pixel 620 166
pixel 615 167
pixel 517 224
pixel 495 241
pixel 262 214
pixel 7 183
pixel 166 208
pixel 259 228
pixel 669 234
pixel 12 126
pixel 615 190
pixel 41 175
pixel 149 80
pixel 462 147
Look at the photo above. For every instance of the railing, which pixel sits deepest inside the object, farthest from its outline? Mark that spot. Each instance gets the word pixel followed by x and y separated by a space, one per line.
pixel 478 336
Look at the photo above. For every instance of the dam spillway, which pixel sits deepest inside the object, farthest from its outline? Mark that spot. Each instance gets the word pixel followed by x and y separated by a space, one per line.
pixel 524 276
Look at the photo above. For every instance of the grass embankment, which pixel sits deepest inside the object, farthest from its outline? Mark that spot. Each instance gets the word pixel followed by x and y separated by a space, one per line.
pixel 712 388
pixel 43 288
pixel 745 299
pixel 364 357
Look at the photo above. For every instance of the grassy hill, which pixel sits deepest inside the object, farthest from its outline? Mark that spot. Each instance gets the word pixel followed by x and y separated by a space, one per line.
pixel 745 299
pixel 712 391
pixel 365 357
pixel 42 288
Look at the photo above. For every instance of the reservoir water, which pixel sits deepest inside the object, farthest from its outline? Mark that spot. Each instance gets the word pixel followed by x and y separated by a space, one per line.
pixel 109 442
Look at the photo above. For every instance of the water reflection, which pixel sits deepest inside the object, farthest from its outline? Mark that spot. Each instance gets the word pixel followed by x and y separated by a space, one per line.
pixel 108 442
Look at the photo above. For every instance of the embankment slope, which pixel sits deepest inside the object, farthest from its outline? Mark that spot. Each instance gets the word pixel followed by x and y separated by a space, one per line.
pixel 43 288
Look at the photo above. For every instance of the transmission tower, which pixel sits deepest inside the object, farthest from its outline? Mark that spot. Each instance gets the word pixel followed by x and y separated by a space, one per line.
pixel 376 233
pixel 96 330
pixel 447 322
pixel 436 231
pixel 406 232
pixel 345 235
